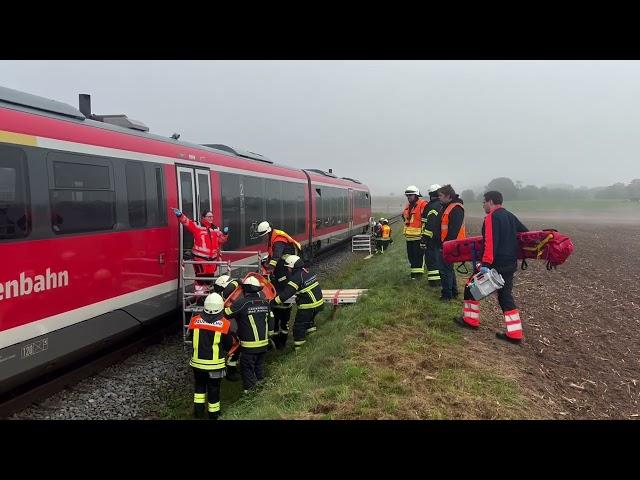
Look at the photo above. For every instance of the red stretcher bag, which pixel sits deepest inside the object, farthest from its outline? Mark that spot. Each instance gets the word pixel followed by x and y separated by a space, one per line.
pixel 549 245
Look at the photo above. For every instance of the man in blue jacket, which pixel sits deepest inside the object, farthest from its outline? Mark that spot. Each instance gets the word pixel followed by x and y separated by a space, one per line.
pixel 500 252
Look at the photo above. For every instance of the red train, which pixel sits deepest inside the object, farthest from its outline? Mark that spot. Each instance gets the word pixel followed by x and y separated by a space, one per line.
pixel 89 247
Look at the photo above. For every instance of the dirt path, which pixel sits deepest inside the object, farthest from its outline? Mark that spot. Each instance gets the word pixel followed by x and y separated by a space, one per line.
pixel 581 358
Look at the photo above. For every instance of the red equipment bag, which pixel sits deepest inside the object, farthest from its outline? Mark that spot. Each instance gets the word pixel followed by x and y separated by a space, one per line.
pixel 547 245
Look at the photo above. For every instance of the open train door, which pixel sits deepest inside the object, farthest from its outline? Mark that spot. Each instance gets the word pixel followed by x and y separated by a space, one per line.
pixel 350 211
pixel 194 197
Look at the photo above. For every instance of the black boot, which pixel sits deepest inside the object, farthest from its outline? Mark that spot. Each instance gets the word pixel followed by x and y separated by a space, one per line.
pixel 198 410
pixel 214 415
pixel 282 340
pixel 459 321
pixel 503 336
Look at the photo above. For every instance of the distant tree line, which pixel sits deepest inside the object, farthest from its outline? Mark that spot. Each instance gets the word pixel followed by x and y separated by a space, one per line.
pixel 517 191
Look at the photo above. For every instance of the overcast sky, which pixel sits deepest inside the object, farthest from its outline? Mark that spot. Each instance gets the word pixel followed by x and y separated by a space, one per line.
pixel 387 123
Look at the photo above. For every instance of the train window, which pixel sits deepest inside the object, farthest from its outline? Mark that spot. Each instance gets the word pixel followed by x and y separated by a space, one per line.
pixel 203 192
pixel 230 193
pixel 253 207
pixel 162 212
pixel 300 211
pixel 136 194
pixel 81 175
pixel 83 199
pixel 289 207
pixel 15 217
pixel 273 195
pixel 319 209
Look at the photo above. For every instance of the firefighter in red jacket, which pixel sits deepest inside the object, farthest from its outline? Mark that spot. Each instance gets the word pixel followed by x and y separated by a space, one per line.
pixel 207 241
pixel 500 251
pixel 415 217
pixel 279 246
pixel 451 228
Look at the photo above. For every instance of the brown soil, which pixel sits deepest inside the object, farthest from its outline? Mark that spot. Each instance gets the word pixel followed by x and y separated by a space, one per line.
pixel 581 357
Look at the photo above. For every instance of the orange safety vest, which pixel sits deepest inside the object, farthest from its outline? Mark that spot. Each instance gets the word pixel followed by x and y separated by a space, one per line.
pixel 413 219
pixel 281 236
pixel 386 232
pixel 444 226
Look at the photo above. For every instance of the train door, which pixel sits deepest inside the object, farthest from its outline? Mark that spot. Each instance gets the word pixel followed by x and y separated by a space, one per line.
pixel 194 197
pixel 350 210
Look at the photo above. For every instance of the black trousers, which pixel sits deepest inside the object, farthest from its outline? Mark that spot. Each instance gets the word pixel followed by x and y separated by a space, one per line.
pixel 204 384
pixel 448 280
pixel 416 257
pixel 505 297
pixel 251 368
pixel 434 263
pixel 305 318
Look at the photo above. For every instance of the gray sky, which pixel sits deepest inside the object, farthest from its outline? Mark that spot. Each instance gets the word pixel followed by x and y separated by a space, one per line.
pixel 387 123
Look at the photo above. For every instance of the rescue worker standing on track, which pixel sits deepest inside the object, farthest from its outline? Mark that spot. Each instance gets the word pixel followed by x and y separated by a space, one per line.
pixel 211 340
pixel 279 246
pixel 207 241
pixel 255 325
pixel 500 251
pixel 451 228
pixel 431 237
pixel 414 215
pixel 225 286
pixel 305 287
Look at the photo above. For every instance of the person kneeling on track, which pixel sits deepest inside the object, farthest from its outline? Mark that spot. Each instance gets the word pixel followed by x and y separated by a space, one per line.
pixel 304 285
pixel 211 340
pixel 255 325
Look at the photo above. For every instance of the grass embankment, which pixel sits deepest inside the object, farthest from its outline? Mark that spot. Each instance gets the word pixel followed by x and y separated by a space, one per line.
pixel 394 355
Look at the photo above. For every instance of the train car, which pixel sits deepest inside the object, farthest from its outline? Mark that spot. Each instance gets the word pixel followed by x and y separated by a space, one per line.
pixel 89 247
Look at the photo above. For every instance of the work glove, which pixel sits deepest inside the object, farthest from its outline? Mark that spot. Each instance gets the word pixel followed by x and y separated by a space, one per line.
pixel 484 270
pixel 225 230
pixel 177 212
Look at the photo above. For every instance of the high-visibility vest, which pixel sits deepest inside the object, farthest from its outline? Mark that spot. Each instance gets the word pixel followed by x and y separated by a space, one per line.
pixel 386 232
pixel 282 236
pixel 413 219
pixel 444 226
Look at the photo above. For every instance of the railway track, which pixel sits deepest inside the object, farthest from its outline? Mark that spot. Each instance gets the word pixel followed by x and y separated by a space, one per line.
pixel 41 389
pixel 36 392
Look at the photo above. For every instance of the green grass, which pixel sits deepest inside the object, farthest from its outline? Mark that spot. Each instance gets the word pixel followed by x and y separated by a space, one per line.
pixel 395 354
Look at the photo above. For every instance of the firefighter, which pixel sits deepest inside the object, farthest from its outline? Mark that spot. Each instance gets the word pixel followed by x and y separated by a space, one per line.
pixel 207 241
pixel 414 215
pixel 211 341
pixel 279 246
pixel 500 251
pixel 225 286
pixel 451 228
pixel 255 325
pixel 304 285
pixel 430 241
pixel 384 239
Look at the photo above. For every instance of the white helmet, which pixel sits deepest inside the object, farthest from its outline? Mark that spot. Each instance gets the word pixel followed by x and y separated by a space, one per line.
pixel 263 228
pixel 412 190
pixel 251 285
pixel 292 260
pixel 213 303
pixel 434 188
pixel 223 280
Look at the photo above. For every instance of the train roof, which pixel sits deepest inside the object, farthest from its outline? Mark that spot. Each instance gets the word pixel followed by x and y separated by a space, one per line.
pixel 29 103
